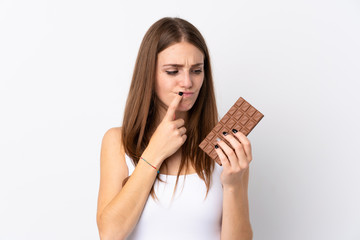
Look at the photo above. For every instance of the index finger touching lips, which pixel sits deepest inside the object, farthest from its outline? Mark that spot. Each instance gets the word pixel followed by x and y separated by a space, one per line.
pixel 170 114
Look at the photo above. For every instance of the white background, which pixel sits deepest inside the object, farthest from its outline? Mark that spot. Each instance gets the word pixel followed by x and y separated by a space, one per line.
pixel 65 70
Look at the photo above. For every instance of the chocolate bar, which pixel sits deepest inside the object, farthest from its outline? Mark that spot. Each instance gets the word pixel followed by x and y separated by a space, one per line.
pixel 241 116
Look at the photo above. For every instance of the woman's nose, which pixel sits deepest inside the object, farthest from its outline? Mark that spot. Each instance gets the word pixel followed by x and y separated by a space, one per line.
pixel 186 82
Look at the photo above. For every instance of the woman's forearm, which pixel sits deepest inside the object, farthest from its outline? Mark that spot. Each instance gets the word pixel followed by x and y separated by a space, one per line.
pixel 236 219
pixel 122 214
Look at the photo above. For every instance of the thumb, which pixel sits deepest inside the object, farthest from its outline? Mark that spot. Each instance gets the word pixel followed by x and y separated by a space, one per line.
pixel 172 107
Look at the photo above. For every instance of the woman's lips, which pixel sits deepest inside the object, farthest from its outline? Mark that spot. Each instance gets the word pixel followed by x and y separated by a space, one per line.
pixel 187 94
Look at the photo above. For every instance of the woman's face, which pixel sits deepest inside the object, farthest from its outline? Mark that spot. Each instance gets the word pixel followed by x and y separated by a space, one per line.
pixel 180 68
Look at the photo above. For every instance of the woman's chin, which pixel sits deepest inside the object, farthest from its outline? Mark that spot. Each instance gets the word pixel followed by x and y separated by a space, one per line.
pixel 184 107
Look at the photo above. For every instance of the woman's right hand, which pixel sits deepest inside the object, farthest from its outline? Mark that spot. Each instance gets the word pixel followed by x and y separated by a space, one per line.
pixel 169 136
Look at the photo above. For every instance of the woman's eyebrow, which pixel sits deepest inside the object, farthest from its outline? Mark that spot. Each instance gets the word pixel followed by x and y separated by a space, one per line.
pixel 180 65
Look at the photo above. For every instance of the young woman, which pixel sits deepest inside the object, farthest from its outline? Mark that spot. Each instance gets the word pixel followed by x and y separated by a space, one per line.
pixel 170 109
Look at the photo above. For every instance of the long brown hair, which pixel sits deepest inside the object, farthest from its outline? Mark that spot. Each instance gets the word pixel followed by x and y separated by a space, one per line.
pixel 202 117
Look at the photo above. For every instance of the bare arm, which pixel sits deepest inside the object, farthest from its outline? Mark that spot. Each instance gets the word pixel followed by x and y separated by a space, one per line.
pixel 235 179
pixel 235 220
pixel 119 208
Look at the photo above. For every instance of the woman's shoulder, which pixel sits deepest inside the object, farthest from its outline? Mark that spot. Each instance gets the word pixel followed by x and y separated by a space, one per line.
pixel 112 140
pixel 114 131
pixel 113 135
pixel 112 150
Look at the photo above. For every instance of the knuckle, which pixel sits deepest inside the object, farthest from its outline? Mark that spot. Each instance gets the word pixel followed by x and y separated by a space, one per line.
pixel 231 154
pixel 173 126
pixel 237 145
pixel 244 165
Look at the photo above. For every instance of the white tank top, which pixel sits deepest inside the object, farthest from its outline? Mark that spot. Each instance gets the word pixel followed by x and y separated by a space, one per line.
pixel 189 216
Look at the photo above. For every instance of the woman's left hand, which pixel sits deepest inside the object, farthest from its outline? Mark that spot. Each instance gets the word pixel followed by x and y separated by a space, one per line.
pixel 235 162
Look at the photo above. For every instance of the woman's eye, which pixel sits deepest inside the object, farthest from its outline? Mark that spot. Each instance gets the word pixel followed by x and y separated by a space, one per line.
pixel 197 71
pixel 172 72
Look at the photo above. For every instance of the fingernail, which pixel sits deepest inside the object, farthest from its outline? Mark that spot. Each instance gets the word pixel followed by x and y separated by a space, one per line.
pixel 225 133
pixel 235 131
pixel 180 93
pixel 216 146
